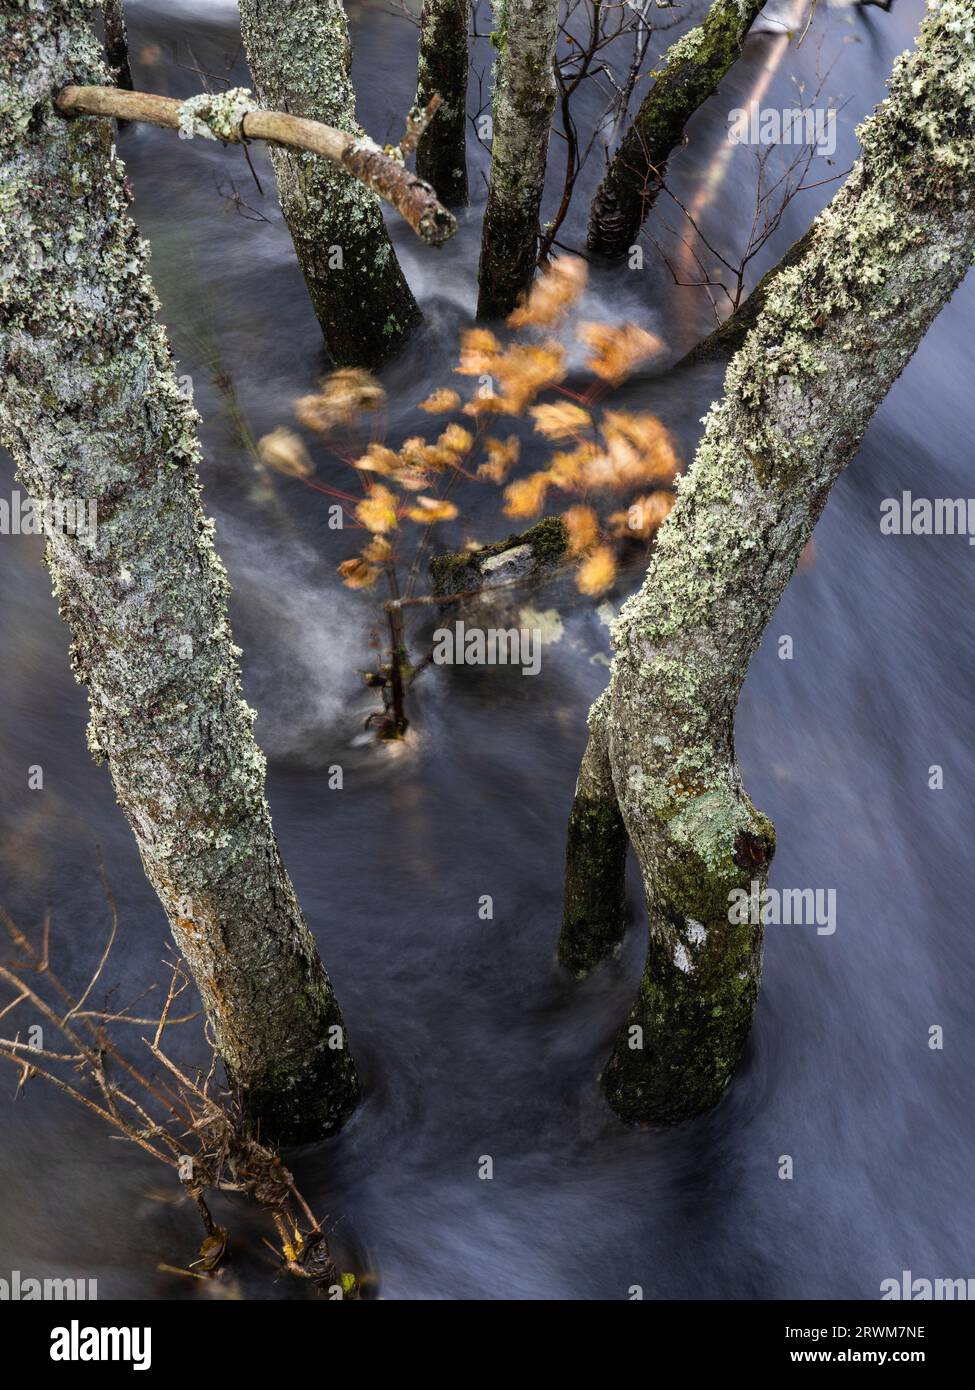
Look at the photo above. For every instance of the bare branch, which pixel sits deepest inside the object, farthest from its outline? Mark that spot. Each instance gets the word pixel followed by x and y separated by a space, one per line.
pixel 413 199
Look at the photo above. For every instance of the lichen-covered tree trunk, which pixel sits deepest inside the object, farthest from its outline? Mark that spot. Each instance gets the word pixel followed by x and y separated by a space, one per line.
pixel 692 69
pixel 90 409
pixel 441 155
pixel 833 334
pixel 300 58
pixel 524 100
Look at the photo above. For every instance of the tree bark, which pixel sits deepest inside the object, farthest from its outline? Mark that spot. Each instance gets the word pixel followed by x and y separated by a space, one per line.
pixel 834 333
pixel 594 916
pixel 524 100
pixel 300 57
pixel 91 410
pixel 441 155
pixel 692 70
pixel 117 42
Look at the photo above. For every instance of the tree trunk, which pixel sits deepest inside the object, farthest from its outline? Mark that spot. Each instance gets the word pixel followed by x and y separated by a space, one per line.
pixel 117 42
pixel 693 68
pixel 91 410
pixel 834 333
pixel 441 155
pixel 524 100
pixel 594 917
pixel 300 57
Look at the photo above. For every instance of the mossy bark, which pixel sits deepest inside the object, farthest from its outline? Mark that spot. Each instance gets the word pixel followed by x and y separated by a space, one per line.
pixel 529 555
pixel 834 333
pixel 442 64
pixel 692 70
pixel 300 58
pixel 524 100
pixel 91 410
pixel 594 914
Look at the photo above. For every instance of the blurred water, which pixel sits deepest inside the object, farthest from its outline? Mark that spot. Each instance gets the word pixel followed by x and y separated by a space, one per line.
pixel 470 1039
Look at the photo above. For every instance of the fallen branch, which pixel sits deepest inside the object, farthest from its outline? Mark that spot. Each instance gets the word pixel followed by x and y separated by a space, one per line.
pixel 233 118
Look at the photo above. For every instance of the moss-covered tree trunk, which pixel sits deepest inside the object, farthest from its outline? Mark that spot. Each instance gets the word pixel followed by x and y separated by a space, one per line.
pixel 692 69
pixel 833 334
pixel 524 99
pixel 594 916
pixel 90 409
pixel 300 57
pixel 441 155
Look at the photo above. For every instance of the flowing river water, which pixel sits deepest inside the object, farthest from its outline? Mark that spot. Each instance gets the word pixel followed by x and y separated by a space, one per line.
pixel 470 1039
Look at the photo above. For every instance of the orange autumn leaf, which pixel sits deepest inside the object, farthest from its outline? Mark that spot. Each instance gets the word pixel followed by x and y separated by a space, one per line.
pixel 430 509
pixel 638 449
pixel 479 349
pixel 439 402
pixel 456 441
pixel 502 455
pixel 582 529
pixel 525 370
pixel 597 572
pixel 339 398
pixel 568 469
pixel 357 573
pixel 526 496
pixel 378 459
pixel 378 550
pixel 377 511
pixel 561 420
pixel 644 516
pixel 552 295
pixel 617 350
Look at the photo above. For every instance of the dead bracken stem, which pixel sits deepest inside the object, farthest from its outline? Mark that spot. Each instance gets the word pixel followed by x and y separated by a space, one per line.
pixel 177 1117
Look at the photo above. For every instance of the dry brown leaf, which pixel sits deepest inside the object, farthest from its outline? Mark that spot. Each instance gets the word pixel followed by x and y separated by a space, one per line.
pixel 582 528
pixel 596 573
pixel 439 402
pixel 377 511
pixel 357 573
pixel 526 496
pixel 284 451
pixel 341 396
pixel 617 350
pixel 560 420
pixel 502 455
pixel 430 509
pixel 552 295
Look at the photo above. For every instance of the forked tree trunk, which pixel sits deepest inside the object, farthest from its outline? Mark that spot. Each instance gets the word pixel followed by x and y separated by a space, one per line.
pixel 441 155
pixel 692 69
pixel 524 100
pixel 300 57
pixel 91 410
pixel 833 334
